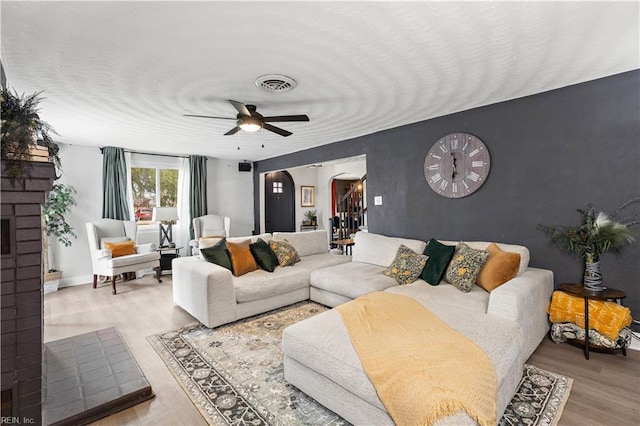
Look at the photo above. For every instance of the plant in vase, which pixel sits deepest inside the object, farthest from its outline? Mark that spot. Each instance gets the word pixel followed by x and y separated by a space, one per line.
pixel 312 217
pixel 54 220
pixel 597 234
pixel 22 129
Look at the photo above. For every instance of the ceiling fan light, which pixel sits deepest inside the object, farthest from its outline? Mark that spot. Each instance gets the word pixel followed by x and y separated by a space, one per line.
pixel 250 124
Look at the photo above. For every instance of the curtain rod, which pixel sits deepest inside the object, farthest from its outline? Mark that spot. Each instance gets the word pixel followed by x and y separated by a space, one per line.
pixel 151 153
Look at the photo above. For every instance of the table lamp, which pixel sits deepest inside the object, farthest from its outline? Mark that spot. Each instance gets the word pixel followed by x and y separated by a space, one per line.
pixel 166 217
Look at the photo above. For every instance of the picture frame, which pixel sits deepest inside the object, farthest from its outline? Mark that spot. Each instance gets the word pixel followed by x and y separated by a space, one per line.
pixel 307 196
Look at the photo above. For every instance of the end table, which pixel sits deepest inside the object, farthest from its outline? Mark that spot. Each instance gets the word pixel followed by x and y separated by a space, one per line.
pixel 167 254
pixel 608 293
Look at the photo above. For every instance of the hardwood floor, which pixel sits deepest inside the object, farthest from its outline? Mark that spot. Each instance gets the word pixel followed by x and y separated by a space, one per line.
pixel 606 388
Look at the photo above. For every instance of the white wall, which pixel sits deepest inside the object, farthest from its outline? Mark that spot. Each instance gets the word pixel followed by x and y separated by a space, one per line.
pixel 229 193
pixel 304 176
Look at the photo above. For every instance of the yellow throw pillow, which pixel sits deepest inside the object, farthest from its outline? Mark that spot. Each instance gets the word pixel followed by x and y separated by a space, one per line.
pixel 501 266
pixel 242 260
pixel 121 249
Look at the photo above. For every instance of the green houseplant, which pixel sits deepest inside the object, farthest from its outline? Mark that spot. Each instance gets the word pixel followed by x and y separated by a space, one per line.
pixel 54 219
pixel 311 216
pixel 21 129
pixel 597 234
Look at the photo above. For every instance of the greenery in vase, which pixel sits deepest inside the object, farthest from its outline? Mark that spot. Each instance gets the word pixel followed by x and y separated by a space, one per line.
pixel 311 215
pixel 597 233
pixel 21 126
pixel 57 206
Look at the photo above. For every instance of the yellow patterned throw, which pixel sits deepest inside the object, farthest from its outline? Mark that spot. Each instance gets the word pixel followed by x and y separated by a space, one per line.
pixel 607 318
pixel 408 354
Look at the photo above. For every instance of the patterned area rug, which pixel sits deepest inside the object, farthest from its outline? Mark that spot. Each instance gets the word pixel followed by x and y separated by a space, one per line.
pixel 234 376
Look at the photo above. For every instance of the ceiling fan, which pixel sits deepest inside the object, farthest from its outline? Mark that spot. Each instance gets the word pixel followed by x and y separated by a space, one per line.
pixel 249 120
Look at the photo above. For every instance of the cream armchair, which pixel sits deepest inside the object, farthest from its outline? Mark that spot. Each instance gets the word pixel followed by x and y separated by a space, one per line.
pixel 111 230
pixel 208 226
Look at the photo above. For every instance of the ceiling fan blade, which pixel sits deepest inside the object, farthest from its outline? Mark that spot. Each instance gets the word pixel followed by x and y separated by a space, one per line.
pixel 209 116
pixel 242 108
pixel 277 130
pixel 232 131
pixel 277 118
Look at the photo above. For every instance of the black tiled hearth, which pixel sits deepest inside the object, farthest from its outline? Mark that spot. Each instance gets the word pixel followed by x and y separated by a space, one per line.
pixel 91 376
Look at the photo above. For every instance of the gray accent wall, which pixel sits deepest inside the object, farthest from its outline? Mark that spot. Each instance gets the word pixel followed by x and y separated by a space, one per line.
pixel 551 153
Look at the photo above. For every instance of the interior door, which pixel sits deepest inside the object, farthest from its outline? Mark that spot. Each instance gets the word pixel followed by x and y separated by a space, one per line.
pixel 279 202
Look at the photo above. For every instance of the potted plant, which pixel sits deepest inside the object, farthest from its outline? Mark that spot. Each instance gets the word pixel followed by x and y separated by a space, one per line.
pixel 597 234
pixel 311 216
pixel 22 131
pixel 59 202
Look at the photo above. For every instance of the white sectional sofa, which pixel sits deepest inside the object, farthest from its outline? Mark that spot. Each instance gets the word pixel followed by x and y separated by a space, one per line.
pixel 212 295
pixel 508 324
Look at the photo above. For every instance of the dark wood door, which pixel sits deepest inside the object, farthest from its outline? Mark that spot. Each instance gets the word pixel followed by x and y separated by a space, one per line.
pixel 279 202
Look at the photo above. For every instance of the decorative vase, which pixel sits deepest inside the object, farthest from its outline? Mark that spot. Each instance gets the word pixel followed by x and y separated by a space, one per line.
pixel 592 275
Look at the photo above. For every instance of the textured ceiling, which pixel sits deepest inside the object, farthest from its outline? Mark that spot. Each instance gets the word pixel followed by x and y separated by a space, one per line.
pixel 123 73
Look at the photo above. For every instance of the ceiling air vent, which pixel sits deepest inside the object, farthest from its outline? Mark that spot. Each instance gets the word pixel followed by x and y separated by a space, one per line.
pixel 275 83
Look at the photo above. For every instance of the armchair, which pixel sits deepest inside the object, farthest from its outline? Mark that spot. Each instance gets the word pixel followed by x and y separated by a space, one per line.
pixel 110 230
pixel 208 226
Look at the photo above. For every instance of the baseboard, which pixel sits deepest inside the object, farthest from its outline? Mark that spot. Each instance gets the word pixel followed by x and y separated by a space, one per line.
pixel 73 281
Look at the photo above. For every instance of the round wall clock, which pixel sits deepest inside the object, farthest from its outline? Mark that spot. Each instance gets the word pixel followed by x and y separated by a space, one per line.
pixel 457 165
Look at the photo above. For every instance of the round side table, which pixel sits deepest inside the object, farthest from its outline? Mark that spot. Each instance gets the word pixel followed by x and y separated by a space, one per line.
pixel 607 293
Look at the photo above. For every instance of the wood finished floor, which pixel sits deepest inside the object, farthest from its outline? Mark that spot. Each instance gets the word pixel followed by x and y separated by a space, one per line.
pixel 606 389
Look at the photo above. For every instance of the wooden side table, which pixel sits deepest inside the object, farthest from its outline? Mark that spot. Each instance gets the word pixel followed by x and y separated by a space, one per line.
pixel 608 293
pixel 345 245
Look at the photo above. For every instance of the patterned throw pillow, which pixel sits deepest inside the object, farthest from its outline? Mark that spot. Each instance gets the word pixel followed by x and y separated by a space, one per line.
pixel 465 267
pixel 285 252
pixel 407 265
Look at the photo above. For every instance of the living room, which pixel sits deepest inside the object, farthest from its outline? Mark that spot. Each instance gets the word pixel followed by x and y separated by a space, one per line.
pixel 553 95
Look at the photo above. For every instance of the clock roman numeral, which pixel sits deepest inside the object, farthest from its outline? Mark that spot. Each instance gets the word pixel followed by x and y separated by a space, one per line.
pixel 435 156
pixel 465 185
pixel 474 152
pixel 436 177
pixel 477 163
pixel 434 167
pixel 444 149
pixel 443 184
pixel 473 176
pixel 465 145
pixel 454 144
pixel 454 187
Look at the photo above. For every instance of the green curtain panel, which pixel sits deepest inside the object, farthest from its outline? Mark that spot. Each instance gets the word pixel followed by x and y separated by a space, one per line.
pixel 114 184
pixel 198 188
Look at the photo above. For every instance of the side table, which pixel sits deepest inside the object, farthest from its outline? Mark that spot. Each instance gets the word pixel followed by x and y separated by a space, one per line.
pixel 608 293
pixel 345 245
pixel 167 254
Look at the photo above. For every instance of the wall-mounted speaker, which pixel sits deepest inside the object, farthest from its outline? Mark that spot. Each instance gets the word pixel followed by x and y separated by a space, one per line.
pixel 244 167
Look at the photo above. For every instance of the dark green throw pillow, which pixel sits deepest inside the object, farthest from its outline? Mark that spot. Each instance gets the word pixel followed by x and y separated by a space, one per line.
pixel 439 257
pixel 264 256
pixel 218 254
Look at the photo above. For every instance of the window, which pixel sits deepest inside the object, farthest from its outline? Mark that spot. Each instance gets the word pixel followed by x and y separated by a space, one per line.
pixel 153 187
pixel 277 187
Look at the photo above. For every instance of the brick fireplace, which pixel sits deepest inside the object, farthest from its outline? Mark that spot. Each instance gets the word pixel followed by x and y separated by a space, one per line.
pixel 21 294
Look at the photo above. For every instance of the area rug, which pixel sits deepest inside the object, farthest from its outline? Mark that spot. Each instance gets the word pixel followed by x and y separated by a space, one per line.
pixel 234 376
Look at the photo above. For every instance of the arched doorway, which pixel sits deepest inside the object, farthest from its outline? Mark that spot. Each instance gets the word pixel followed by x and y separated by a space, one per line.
pixel 279 202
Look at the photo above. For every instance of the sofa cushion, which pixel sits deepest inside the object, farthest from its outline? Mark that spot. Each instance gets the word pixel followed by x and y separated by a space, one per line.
pixel 306 243
pixel 318 261
pixel 242 260
pixel 477 300
pixel 123 248
pixel 465 266
pixel 286 253
pixel 439 256
pixel 381 250
pixel 132 259
pixel 513 248
pixel 266 236
pixel 351 279
pixel 264 256
pixel 218 254
pixel 261 284
pixel 501 266
pixel 407 265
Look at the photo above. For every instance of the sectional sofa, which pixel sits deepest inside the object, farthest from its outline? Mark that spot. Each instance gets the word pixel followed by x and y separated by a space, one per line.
pixel 508 323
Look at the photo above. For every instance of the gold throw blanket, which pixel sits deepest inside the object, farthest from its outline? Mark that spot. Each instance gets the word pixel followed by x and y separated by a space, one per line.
pixel 608 318
pixel 422 369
